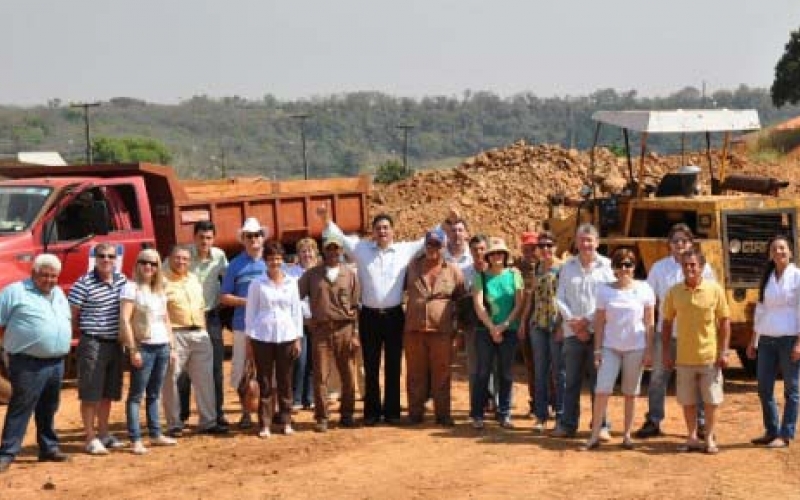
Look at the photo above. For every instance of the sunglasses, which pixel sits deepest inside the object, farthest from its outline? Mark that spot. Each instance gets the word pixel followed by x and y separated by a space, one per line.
pixel 433 244
pixel 545 245
pixel 109 256
pixel 626 264
pixel 253 235
pixel 147 263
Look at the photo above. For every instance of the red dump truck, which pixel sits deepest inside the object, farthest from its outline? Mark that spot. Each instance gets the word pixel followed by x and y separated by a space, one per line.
pixel 68 210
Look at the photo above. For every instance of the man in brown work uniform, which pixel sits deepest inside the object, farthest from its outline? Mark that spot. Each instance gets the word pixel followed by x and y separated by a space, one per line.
pixel 527 267
pixel 334 296
pixel 433 286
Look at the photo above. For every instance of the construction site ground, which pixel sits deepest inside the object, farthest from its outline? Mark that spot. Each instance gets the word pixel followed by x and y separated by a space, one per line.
pixel 424 461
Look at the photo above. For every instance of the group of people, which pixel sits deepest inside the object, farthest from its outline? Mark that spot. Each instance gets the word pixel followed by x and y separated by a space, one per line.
pixel 586 317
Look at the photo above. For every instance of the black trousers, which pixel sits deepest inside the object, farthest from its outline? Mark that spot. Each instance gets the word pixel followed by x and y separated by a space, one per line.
pixel 381 332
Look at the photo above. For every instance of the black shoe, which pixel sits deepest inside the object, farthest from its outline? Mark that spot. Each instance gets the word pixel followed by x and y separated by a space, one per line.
pixel 648 430
pixel 215 430
pixel 5 463
pixel 245 422
pixel 370 421
pixel 445 422
pixel 763 440
pixel 347 422
pixel 223 422
pixel 415 419
pixel 393 420
pixel 54 456
pixel 175 432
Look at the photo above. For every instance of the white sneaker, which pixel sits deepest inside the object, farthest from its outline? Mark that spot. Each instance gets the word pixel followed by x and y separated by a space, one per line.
pixel 163 440
pixel 112 443
pixel 287 429
pixel 604 435
pixel 138 448
pixel 538 426
pixel 264 433
pixel 95 447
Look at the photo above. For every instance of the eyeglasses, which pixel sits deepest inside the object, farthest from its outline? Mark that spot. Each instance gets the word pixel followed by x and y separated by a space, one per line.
pixel 626 264
pixel 433 244
pixel 109 256
pixel 680 241
pixel 545 245
pixel 253 235
pixel 147 263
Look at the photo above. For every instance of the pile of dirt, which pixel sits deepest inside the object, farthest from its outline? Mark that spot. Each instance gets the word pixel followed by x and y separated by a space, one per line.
pixel 504 191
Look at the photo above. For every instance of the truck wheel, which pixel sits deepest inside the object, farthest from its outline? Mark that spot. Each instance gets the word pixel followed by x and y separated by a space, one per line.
pixel 748 364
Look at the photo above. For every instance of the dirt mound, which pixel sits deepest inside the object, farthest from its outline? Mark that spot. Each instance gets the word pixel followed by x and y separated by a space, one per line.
pixel 504 191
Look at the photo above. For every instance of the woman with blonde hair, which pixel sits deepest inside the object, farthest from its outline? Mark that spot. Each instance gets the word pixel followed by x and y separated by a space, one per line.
pixel 307 257
pixel 146 333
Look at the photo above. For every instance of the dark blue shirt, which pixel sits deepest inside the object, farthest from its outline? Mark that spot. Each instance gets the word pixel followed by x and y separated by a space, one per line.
pixel 241 271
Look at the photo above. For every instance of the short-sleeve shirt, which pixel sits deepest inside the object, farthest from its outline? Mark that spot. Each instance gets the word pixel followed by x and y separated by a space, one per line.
pixel 35 324
pixel 624 308
pixel 545 306
pixel 98 301
pixel 210 273
pixel 501 292
pixel 156 303
pixel 241 271
pixel 697 311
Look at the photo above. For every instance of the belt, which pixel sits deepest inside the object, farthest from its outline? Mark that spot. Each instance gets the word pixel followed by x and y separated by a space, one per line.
pixel 22 355
pixel 381 311
pixel 192 328
pixel 102 338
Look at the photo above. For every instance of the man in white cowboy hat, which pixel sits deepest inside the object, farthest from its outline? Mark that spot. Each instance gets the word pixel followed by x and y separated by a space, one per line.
pixel 243 268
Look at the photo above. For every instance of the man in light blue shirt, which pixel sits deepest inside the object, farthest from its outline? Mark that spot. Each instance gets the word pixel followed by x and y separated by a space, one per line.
pixel 36 328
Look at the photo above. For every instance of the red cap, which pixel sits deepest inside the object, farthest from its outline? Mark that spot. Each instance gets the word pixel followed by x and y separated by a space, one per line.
pixel 529 238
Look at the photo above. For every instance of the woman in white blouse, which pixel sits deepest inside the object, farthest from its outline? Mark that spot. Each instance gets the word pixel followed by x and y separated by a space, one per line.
pixel 623 341
pixel 775 338
pixel 274 323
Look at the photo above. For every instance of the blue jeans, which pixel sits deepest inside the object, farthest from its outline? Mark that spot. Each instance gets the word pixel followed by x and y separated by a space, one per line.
pixel 36 385
pixel 774 352
pixel 302 384
pixel 487 350
pixel 578 363
pixel 149 378
pixel 548 365
pixel 659 382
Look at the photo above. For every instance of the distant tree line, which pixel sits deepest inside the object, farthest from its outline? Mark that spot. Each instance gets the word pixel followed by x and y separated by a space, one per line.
pixel 345 133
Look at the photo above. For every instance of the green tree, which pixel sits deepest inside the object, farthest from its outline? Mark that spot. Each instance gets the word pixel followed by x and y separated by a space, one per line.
pixel 390 171
pixel 129 149
pixel 786 87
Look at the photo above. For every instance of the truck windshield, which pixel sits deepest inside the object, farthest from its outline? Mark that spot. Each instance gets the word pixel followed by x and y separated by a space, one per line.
pixel 19 206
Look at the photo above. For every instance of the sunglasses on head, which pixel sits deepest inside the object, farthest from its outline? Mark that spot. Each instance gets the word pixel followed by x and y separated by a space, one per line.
pixel 625 264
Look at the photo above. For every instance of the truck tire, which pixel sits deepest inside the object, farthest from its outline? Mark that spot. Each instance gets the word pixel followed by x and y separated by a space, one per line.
pixel 749 365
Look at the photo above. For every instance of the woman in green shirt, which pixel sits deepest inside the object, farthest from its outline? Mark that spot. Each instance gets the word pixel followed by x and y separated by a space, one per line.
pixel 498 299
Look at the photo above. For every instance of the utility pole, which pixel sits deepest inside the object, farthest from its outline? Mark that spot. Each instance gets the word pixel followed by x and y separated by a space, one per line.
pixel 86 106
pixel 302 117
pixel 405 128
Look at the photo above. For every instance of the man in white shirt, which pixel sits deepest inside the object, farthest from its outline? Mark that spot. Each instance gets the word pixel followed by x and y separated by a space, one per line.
pixel 382 265
pixel 578 281
pixel 662 276
pixel 457 249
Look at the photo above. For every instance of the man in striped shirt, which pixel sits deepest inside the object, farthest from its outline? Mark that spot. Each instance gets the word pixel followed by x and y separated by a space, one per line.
pixel 94 300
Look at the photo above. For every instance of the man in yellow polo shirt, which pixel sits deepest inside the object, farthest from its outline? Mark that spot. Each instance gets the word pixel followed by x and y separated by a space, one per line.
pixel 186 308
pixel 703 327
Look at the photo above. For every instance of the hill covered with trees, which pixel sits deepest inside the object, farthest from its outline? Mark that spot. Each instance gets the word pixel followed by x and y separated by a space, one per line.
pixel 347 133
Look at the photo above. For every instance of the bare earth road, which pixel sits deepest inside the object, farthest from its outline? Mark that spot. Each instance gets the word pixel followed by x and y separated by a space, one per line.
pixel 419 462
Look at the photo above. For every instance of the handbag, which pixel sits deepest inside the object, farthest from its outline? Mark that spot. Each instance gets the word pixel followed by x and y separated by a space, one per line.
pixel 466 315
pixel 248 387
